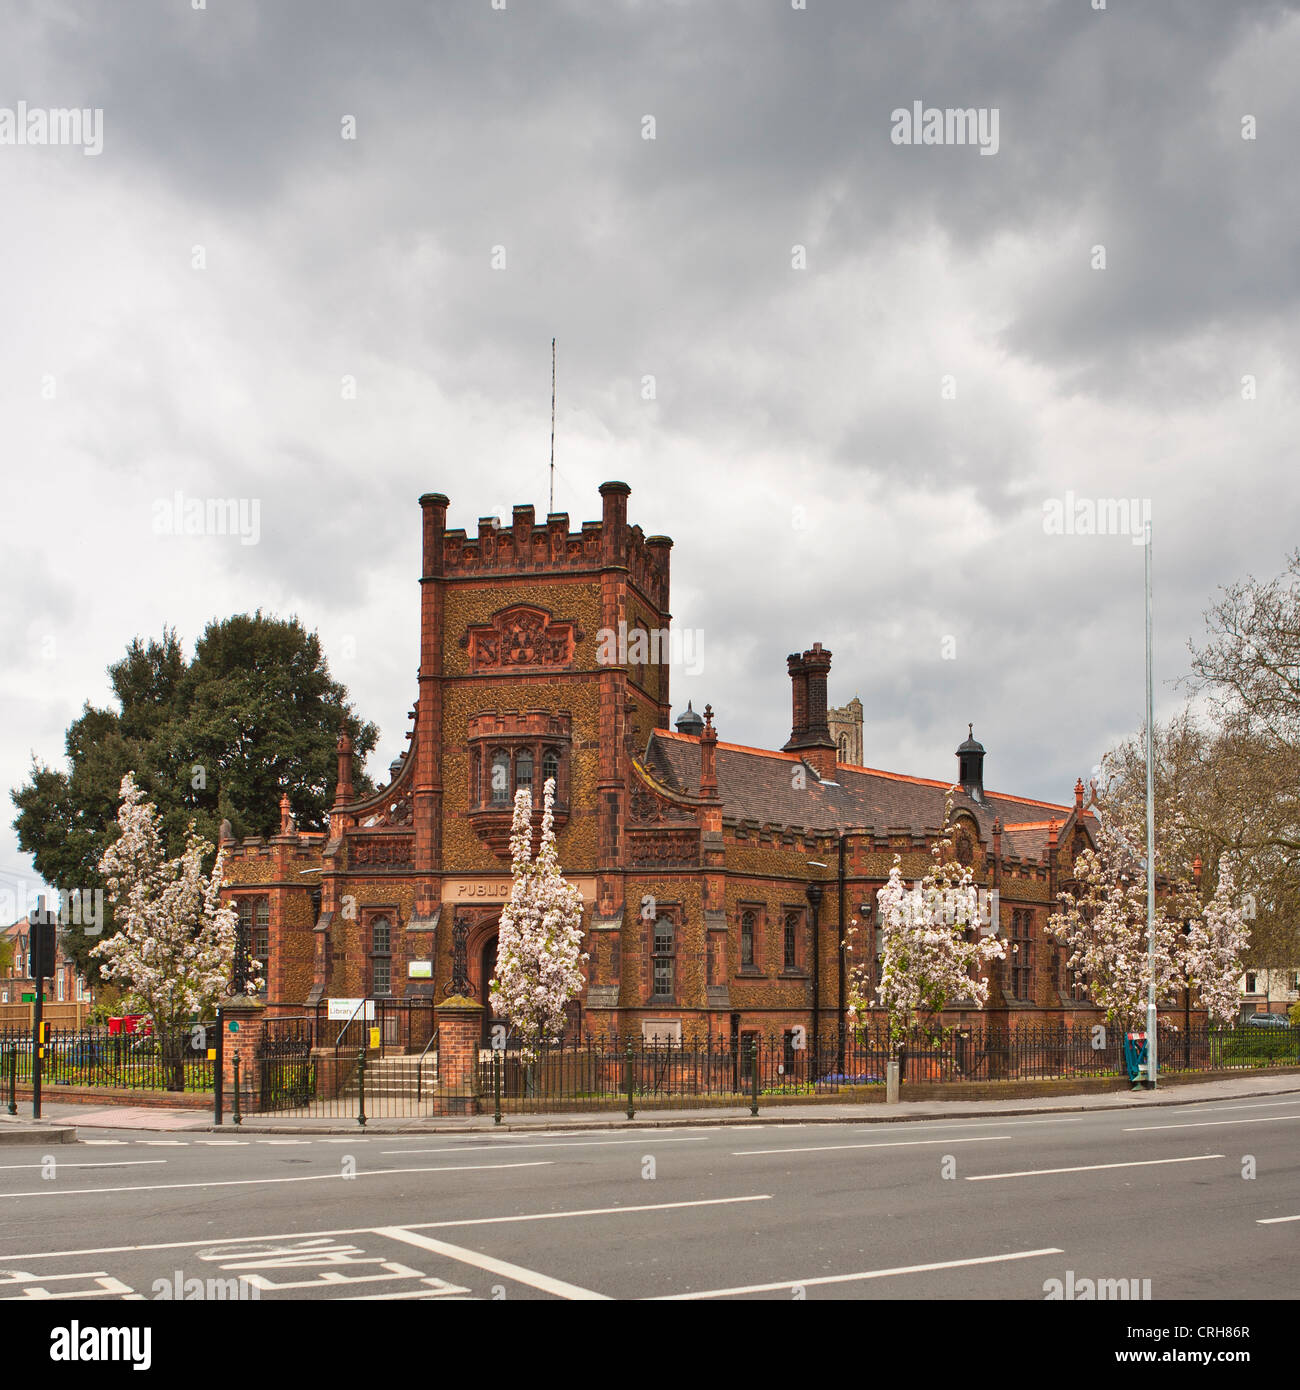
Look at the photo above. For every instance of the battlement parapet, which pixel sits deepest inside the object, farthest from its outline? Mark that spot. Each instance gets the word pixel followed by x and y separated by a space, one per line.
pixel 525 547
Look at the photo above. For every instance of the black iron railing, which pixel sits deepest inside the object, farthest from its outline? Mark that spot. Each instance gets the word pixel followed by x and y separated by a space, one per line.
pixel 174 1060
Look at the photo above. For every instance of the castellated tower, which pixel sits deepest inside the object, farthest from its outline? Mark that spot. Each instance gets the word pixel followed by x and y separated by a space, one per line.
pixel 516 684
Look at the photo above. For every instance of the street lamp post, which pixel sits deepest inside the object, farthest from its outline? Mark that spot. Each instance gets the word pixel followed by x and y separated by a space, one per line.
pixel 1151 841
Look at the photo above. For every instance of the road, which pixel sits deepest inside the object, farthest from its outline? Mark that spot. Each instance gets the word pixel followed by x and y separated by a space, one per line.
pixel 1203 1201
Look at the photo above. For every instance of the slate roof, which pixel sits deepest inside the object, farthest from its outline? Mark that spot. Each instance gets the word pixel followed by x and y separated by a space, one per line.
pixel 756 784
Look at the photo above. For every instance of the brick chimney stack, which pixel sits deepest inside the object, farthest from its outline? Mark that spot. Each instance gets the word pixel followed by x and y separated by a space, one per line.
pixel 810 734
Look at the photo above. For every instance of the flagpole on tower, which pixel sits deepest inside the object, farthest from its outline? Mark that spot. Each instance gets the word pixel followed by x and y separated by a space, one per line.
pixel 551 508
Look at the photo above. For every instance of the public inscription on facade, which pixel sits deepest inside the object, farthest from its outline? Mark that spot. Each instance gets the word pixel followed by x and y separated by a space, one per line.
pixel 497 890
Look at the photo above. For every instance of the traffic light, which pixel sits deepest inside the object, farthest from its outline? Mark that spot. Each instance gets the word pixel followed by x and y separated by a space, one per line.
pixel 43 927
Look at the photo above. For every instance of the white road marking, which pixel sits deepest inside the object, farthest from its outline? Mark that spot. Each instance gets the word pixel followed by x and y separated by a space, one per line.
pixel 221 1142
pixel 110 1287
pixel 1205 1124
pixel 450 1291
pixel 1090 1168
pixel 112 1163
pixel 590 1211
pixel 284 1141
pixel 1257 1105
pixel 104 1141
pixel 167 1143
pixel 855 1278
pixel 888 1144
pixel 264 1182
pixel 207 1241
pixel 984 1124
pixel 562 1144
pixel 1276 1220
pixel 18 1276
pixel 493 1266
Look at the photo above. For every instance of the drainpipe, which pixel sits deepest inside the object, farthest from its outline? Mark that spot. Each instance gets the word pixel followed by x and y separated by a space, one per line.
pixel 841 1020
pixel 813 892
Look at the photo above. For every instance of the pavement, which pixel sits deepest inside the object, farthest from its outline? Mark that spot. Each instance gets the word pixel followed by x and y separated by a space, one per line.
pixel 57 1116
pixel 18 1129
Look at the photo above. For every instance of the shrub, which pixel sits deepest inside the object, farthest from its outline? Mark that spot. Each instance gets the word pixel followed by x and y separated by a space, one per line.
pixel 1249 1045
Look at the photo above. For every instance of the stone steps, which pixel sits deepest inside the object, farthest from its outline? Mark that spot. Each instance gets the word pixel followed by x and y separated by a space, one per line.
pixel 396 1076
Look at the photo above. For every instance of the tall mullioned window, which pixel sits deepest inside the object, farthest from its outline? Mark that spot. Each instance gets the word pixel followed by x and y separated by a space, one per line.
pixel 1021 958
pixel 255 932
pixel 663 959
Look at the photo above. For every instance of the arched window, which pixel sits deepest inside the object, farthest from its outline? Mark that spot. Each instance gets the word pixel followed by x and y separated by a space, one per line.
pixel 844 748
pixel 524 771
pixel 790 943
pixel 551 769
pixel 500 777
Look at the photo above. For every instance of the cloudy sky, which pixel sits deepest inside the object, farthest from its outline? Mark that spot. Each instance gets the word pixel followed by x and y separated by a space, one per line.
pixel 848 375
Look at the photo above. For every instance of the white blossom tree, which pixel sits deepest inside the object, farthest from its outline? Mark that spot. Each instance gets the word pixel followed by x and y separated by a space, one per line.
pixel 539 942
pixel 175 949
pixel 1103 925
pixel 1213 948
pixel 932 943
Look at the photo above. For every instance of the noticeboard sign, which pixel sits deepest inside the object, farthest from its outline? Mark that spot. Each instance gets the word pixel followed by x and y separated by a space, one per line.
pixel 343 1009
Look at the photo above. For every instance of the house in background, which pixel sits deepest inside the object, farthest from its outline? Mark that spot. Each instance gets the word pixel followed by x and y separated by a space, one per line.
pixel 1269 991
pixel 66 986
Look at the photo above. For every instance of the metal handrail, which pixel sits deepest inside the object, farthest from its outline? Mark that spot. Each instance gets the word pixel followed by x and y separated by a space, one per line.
pixel 419 1065
pixel 361 1004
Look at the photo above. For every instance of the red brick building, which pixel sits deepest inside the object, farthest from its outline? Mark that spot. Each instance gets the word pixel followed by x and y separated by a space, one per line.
pixel 717 878
pixel 65 986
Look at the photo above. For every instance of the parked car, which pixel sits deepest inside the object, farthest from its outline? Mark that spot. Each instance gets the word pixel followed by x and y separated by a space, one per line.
pixel 1268 1021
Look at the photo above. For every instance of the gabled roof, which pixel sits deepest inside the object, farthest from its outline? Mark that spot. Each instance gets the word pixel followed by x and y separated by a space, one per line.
pixel 761 784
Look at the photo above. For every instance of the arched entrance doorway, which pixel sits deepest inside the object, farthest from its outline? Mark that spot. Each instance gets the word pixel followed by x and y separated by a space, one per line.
pixel 487 964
